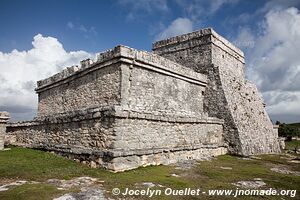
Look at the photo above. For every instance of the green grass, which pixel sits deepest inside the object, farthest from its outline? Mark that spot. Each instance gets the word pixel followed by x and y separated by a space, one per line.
pixel 248 170
pixel 31 192
pixel 291 145
pixel 34 165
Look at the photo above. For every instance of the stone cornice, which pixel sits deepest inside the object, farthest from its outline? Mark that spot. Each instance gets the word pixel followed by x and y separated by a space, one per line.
pixel 196 35
pixel 120 152
pixel 126 55
pixel 117 112
pixel 4 117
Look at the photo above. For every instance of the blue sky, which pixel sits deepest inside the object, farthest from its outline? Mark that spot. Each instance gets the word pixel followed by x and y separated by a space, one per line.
pixel 39 38
pixel 98 25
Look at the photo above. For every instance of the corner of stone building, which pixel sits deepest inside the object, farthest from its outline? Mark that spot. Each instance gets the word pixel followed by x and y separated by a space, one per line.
pixel 244 105
pixel 228 95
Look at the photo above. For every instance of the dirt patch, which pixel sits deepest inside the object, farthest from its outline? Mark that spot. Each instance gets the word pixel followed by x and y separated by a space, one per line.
pixel 185 165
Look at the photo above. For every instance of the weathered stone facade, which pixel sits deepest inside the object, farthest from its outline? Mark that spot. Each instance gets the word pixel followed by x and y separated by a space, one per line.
pixel 127 109
pixel 248 129
pixel 132 108
pixel 4 117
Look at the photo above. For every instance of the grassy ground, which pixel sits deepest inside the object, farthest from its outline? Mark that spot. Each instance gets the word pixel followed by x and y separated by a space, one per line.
pixel 292 145
pixel 34 165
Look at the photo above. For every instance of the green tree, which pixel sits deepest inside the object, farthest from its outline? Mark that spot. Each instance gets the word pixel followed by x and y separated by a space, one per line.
pixel 287 131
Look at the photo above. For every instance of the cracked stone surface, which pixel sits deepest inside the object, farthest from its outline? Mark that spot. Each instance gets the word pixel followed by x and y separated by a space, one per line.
pixel 294 161
pixel 285 171
pixel 90 188
pixel 291 158
pixel 85 194
pixel 226 168
pixel 12 185
pixel 175 175
pixel 148 184
pixel 250 184
pixel 75 182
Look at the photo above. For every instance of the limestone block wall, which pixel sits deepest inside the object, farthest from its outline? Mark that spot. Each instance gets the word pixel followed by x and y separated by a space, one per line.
pixel 100 87
pixel 121 140
pixel 134 134
pixel 189 48
pixel 138 80
pixel 152 84
pixel 4 117
pixel 254 128
pixel 154 92
pixel 127 109
pixel 146 139
pixel 228 96
pixel 86 129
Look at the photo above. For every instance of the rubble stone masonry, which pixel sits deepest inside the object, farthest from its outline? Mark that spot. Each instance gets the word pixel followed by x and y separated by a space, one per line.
pixel 229 96
pixel 128 108
pixel 4 117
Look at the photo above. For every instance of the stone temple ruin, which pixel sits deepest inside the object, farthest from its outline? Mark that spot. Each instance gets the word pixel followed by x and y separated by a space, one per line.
pixel 188 99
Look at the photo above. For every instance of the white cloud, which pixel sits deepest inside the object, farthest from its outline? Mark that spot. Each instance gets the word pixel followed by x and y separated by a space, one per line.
pixel 177 27
pixel 217 4
pixel 276 56
pixel 143 7
pixel 245 38
pixel 201 9
pixel 278 5
pixel 70 25
pixel 87 31
pixel 21 69
pixel 283 102
pixel 274 63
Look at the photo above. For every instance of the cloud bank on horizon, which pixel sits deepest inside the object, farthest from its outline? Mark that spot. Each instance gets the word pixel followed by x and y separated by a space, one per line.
pixel 271 51
pixel 21 69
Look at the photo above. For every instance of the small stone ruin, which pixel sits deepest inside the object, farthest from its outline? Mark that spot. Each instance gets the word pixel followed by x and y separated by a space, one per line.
pixel 188 99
